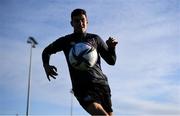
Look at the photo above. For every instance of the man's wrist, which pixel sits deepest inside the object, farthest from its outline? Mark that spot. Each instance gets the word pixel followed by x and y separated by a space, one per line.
pixel 45 64
pixel 111 48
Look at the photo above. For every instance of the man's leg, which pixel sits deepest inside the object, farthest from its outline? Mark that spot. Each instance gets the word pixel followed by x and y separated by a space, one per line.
pixel 97 109
pixel 110 113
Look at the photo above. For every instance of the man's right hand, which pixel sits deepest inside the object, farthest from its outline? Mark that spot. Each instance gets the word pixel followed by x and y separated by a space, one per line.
pixel 51 71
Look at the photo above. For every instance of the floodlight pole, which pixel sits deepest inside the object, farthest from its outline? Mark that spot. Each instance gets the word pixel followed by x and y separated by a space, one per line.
pixel 33 42
pixel 71 91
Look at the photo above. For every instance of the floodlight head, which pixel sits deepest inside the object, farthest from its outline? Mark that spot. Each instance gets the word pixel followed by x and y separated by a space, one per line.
pixel 32 41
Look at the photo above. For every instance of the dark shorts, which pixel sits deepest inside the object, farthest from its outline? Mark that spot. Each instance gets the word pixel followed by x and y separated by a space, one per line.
pixel 97 93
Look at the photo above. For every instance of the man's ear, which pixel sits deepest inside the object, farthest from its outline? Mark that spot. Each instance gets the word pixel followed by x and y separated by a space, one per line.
pixel 87 21
pixel 71 23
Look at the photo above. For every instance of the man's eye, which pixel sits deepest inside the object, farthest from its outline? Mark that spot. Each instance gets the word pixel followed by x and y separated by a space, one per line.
pixel 76 20
pixel 79 20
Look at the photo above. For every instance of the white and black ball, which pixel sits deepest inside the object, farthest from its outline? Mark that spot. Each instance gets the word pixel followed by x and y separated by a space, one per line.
pixel 82 56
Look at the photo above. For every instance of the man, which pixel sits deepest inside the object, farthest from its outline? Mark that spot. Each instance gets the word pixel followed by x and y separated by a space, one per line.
pixel 90 87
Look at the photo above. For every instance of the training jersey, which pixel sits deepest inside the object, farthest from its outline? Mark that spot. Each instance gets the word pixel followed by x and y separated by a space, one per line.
pixel 93 75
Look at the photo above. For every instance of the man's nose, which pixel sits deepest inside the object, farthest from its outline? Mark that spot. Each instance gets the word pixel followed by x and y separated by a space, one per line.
pixel 80 23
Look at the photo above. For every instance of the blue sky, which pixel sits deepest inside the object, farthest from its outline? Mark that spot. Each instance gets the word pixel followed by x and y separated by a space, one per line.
pixel 145 80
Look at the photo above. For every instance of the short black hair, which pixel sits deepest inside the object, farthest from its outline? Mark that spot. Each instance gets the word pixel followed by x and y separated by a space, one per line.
pixel 77 12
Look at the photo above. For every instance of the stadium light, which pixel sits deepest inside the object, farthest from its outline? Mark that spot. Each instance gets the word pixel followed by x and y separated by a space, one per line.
pixel 33 42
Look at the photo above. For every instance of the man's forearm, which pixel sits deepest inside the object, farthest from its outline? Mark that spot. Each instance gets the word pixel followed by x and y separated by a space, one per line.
pixel 45 57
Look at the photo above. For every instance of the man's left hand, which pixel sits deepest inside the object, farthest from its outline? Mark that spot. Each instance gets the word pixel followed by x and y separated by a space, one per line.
pixel 111 42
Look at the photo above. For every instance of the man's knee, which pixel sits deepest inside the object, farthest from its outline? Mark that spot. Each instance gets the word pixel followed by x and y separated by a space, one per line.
pixel 96 109
pixel 97 106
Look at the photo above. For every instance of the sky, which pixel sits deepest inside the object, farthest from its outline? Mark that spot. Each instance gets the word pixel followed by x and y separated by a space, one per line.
pixel 145 80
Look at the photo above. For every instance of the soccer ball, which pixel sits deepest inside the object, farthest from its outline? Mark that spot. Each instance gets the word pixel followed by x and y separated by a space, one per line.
pixel 82 56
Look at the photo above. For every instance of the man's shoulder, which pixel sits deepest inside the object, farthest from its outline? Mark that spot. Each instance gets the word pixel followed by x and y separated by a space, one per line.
pixel 67 36
pixel 64 38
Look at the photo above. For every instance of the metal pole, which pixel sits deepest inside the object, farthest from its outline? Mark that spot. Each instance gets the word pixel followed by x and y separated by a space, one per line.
pixel 71 91
pixel 29 82
pixel 33 42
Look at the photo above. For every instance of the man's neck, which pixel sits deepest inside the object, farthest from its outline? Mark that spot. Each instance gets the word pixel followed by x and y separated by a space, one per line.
pixel 81 35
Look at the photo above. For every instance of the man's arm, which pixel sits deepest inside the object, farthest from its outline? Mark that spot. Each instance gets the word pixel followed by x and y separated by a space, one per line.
pixel 107 50
pixel 51 71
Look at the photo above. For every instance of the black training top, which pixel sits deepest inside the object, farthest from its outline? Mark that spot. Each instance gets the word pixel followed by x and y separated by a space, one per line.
pixel 80 78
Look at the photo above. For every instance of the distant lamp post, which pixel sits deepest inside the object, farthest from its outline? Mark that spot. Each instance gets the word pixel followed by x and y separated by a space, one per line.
pixel 72 93
pixel 33 42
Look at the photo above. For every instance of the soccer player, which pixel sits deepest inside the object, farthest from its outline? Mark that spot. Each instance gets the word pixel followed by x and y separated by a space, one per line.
pixel 90 86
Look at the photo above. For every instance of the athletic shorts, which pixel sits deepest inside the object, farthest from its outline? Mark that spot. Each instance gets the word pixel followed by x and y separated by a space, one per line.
pixel 97 93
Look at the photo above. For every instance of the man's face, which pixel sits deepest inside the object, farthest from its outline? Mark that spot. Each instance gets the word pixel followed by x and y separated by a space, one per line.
pixel 79 23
